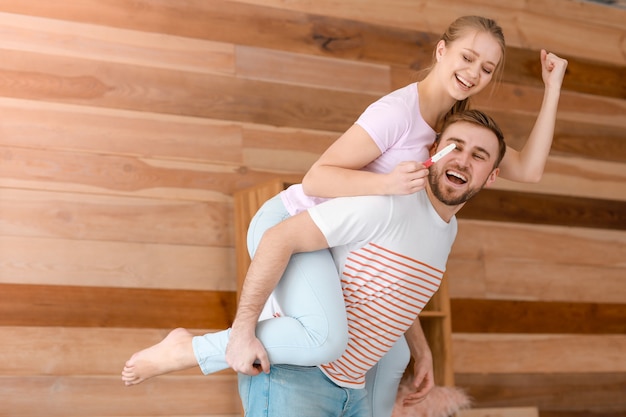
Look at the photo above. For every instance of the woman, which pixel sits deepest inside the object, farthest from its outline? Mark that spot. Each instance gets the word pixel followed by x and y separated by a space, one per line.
pixel 379 154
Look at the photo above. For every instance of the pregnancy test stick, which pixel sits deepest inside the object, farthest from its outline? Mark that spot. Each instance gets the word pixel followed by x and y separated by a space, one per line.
pixel 439 155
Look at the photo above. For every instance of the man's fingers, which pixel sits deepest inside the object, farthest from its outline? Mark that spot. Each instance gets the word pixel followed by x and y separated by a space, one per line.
pixel 265 364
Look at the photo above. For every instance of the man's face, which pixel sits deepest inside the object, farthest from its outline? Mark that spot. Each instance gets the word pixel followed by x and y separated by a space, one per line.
pixel 467 169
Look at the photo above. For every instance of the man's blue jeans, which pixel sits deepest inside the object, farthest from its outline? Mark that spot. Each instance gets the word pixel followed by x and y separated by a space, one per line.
pixel 299 391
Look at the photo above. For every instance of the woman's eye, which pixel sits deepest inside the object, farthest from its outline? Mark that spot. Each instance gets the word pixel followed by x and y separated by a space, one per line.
pixel 465 57
pixel 487 71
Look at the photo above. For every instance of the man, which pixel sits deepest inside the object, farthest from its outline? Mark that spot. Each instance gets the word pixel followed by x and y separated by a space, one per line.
pixel 391 252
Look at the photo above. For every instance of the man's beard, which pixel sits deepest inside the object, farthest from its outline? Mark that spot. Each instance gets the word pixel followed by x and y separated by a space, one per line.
pixel 445 195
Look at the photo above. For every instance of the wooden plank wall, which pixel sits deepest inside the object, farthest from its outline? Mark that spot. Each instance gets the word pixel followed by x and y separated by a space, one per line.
pixel 127 126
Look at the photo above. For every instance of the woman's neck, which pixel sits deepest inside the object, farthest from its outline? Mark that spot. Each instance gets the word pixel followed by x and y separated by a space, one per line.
pixel 435 102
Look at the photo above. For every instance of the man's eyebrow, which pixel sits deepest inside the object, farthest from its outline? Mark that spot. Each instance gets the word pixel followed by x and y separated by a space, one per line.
pixel 462 143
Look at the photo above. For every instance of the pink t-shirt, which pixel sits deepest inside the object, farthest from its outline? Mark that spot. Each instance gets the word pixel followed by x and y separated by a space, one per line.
pixel 395 124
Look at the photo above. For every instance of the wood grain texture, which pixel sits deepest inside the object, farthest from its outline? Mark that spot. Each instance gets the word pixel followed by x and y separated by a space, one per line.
pixel 72 396
pixel 509 316
pixel 76 128
pixel 83 216
pixel 133 87
pixel 538 353
pixel 93 263
pixel 537 208
pixel 128 126
pixel 345 35
pixel 499 412
pixel 72 306
pixel 577 394
pixel 69 348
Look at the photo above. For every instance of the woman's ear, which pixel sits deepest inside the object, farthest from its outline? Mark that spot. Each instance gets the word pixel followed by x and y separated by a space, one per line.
pixel 440 50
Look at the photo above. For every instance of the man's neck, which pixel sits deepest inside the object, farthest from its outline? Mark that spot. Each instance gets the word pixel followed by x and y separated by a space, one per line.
pixel 446 212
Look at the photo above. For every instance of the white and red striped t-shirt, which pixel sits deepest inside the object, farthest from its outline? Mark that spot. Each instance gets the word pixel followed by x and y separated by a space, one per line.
pixel 391 252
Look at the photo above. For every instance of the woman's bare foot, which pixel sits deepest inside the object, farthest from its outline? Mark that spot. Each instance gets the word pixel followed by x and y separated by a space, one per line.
pixel 174 353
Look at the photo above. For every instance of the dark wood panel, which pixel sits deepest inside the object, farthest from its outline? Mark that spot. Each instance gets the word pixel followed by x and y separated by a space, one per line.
pixel 41 305
pixel 523 66
pixel 599 394
pixel 508 316
pixel 508 206
pixel 571 138
pixel 303 32
pixel 73 306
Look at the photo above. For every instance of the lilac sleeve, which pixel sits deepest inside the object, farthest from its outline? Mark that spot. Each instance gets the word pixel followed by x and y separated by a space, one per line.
pixel 386 121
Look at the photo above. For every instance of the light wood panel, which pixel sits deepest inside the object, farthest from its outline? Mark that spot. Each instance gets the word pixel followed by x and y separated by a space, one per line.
pixel 500 412
pixel 506 261
pixel 92 263
pixel 76 128
pixel 82 216
pixel 556 353
pixel 73 396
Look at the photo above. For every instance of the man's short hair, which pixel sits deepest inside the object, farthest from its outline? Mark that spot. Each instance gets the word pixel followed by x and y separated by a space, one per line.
pixel 477 117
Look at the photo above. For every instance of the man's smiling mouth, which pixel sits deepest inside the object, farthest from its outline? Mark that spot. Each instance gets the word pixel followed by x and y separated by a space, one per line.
pixel 456 177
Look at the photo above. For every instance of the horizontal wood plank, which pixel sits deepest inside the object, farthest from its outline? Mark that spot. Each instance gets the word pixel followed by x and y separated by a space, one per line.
pixel 84 216
pixel 79 40
pixel 303 69
pixel 107 131
pixel 510 316
pixel 499 412
pixel 106 349
pixel 41 305
pixel 345 36
pixel 73 396
pixel 133 87
pixel 505 261
pixel 73 306
pixel 523 25
pixel 117 174
pixel 579 394
pixel 526 353
pixel 534 208
pixel 93 263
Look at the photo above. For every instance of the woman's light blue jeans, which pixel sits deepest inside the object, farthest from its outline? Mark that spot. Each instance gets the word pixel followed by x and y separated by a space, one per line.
pixel 313 328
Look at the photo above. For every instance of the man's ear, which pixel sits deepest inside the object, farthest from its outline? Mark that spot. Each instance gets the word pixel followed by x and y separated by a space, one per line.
pixel 433 148
pixel 492 177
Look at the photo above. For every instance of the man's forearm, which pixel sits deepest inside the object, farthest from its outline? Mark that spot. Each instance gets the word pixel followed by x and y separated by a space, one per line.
pixel 266 269
pixel 417 340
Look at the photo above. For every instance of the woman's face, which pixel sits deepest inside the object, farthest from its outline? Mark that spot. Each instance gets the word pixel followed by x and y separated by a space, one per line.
pixel 467 65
